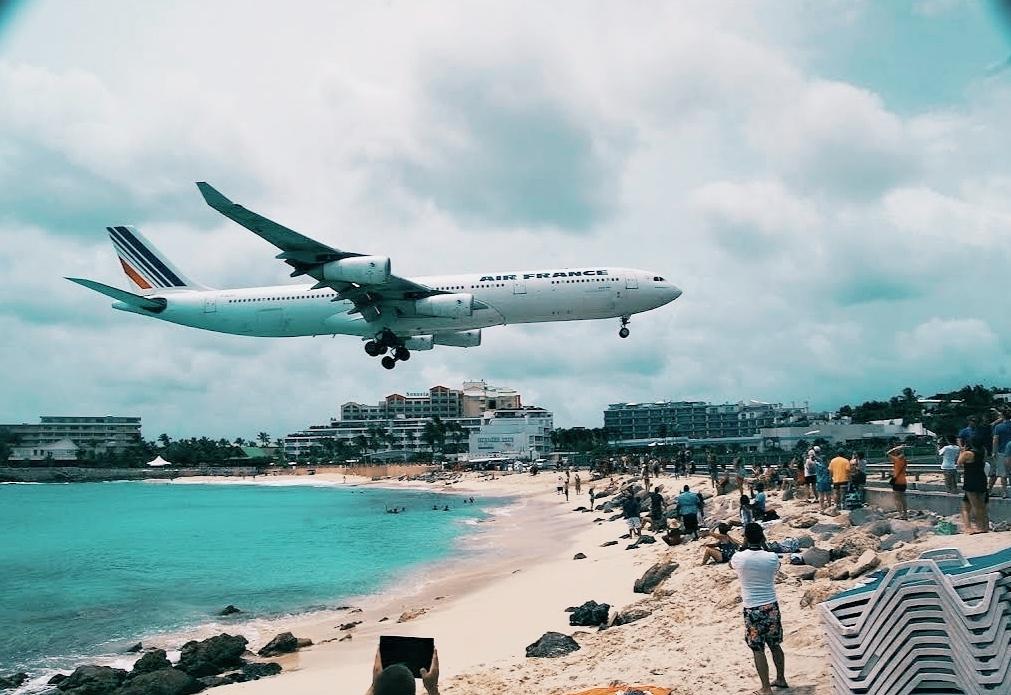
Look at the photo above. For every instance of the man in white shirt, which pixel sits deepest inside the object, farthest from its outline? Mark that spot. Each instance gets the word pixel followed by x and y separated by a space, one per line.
pixel 949 451
pixel 756 569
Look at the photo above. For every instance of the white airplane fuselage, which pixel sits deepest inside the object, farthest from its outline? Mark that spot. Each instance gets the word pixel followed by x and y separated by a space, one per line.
pixel 520 297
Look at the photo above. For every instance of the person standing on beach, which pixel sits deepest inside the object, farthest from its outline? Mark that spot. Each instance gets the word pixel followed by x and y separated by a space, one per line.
pixel 579 483
pixel 949 451
pixel 1001 448
pixel 898 480
pixel 839 467
pixel 559 484
pixel 630 510
pixel 711 464
pixel 592 490
pixel 810 476
pixel 823 484
pixel 763 624
pixel 656 511
pixel 566 489
pixel 971 461
pixel 688 510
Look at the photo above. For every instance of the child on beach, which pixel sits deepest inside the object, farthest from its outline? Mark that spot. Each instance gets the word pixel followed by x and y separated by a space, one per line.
pixel 898 480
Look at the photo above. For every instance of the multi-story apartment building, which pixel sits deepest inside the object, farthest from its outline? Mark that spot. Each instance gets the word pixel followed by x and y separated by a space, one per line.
pixel 438 401
pixel 522 432
pixel 98 434
pixel 697 420
pixel 479 397
pixel 397 423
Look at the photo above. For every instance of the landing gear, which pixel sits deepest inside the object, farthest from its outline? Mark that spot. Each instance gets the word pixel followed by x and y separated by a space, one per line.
pixel 623 331
pixel 387 342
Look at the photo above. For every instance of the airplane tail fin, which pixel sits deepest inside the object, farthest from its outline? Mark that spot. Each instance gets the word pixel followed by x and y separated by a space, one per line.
pixel 147 268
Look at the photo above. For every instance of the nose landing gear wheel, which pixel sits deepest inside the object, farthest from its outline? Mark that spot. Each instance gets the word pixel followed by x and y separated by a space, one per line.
pixel 388 362
pixel 401 353
pixel 623 332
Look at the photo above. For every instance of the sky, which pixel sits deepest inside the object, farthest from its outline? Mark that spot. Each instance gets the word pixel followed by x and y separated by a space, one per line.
pixel 827 181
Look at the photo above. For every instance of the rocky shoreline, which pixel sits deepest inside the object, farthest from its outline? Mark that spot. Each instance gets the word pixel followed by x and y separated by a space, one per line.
pixel 220 660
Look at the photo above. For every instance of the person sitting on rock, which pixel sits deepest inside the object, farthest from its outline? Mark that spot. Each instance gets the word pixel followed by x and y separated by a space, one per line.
pixel 397 679
pixel 722 549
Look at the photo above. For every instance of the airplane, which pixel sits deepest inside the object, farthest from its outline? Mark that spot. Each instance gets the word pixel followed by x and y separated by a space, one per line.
pixel 358 294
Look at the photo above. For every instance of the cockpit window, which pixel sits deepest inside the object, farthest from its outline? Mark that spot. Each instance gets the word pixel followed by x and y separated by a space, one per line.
pixel 657 278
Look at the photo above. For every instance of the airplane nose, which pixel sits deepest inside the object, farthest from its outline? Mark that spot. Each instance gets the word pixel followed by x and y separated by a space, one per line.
pixel 675 292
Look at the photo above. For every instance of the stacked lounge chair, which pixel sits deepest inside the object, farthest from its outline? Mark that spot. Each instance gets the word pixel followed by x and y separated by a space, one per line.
pixel 937 624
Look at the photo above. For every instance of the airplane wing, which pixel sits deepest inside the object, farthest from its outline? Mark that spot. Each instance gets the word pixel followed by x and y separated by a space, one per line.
pixel 307 257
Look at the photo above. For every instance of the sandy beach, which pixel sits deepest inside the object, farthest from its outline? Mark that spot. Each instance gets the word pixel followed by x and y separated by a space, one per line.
pixel 483 611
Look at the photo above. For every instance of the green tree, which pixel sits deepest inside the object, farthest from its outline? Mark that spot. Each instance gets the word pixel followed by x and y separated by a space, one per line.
pixel 434 434
pixel 263 438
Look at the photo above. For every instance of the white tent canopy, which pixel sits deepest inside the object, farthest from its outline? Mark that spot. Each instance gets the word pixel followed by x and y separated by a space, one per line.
pixel 159 462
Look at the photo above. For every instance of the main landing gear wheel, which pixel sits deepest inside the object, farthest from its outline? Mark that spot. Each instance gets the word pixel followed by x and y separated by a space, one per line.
pixel 388 362
pixel 401 353
pixel 623 331
pixel 372 348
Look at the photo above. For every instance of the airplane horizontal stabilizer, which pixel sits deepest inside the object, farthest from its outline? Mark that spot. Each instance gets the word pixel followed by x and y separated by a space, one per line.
pixel 152 304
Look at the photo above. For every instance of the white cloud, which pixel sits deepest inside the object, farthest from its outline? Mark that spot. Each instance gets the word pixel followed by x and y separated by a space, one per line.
pixel 814 230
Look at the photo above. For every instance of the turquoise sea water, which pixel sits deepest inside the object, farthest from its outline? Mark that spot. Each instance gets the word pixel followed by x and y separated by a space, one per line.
pixel 88 568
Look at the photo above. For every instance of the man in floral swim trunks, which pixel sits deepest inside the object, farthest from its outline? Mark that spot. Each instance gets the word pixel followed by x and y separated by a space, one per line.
pixel 756 569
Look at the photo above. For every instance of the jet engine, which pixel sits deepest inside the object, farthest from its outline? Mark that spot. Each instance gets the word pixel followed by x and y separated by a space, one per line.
pixel 362 270
pixel 459 338
pixel 446 306
pixel 419 342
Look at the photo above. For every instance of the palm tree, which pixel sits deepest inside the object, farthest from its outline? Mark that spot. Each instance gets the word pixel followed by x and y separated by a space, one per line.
pixel 362 443
pixel 164 439
pixel 263 438
pixel 434 433
pixel 239 441
pixel 456 432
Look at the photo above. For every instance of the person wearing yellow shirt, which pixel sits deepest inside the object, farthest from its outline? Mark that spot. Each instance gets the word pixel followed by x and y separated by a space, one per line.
pixel 839 467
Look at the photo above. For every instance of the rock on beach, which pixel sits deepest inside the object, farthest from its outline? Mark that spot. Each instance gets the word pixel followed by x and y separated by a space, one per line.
pixel 552 645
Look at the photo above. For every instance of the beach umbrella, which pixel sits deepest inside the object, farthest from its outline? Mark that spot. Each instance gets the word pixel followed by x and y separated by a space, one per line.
pixel 159 462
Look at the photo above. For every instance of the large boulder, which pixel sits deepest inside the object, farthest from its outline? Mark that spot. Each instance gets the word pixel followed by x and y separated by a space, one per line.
pixel 152 661
pixel 802 572
pixel 261 670
pixel 819 591
pixel 864 515
pixel 213 655
pixel 630 614
pixel 166 681
pixel 881 527
pixel 552 645
pixel 654 576
pixel 286 643
pixel 855 542
pixel 865 563
pixel 590 614
pixel 92 680
pixel 411 614
pixel 15 680
pixel 816 557
pixel 803 521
